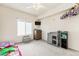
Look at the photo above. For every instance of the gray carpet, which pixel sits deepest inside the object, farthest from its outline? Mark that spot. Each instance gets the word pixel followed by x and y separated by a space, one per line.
pixel 42 48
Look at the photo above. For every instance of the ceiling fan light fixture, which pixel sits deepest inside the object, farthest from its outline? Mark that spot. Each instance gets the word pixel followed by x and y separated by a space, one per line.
pixel 36 6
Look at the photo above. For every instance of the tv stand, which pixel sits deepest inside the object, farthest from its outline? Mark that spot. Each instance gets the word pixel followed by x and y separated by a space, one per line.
pixel 59 38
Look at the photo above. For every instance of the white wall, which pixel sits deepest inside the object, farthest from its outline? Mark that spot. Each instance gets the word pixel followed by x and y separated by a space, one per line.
pixel 54 23
pixel 8 22
pixel 61 7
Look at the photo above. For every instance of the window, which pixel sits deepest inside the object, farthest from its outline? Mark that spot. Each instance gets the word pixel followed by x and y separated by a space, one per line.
pixel 28 28
pixel 20 28
pixel 24 28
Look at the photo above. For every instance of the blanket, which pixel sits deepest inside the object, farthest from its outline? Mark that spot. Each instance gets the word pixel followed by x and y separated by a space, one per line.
pixel 9 49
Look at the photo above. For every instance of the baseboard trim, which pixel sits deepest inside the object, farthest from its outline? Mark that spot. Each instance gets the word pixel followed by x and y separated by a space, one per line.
pixel 73 49
pixel 44 40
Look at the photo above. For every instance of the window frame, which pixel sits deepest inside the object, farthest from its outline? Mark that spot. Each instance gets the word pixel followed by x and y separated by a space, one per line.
pixel 25 28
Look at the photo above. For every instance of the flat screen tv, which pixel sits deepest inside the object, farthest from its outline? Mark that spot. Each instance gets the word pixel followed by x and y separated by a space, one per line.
pixel 37 23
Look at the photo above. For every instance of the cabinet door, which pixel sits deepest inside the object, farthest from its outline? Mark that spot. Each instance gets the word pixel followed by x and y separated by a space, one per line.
pixel 49 39
pixel 64 43
pixel 37 34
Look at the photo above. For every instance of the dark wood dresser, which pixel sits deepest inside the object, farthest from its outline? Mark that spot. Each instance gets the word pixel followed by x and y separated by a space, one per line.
pixel 37 34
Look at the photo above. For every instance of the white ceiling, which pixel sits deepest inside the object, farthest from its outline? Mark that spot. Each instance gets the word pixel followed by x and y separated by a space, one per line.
pixel 24 7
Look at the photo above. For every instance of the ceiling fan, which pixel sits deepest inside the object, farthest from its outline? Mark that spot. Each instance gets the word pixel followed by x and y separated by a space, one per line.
pixel 36 6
